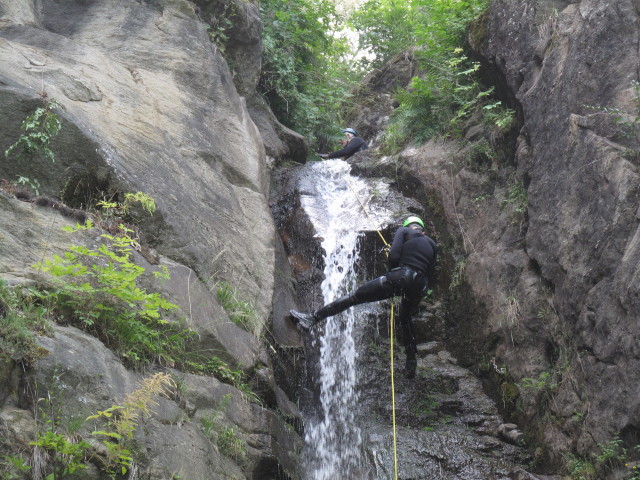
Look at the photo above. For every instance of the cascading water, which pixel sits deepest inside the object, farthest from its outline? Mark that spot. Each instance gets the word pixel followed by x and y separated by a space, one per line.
pixel 335 201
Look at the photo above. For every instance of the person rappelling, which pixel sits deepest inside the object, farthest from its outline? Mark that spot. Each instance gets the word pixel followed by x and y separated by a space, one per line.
pixel 353 145
pixel 411 263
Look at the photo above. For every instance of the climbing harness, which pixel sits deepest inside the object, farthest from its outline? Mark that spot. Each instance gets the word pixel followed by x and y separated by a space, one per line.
pixel 391 330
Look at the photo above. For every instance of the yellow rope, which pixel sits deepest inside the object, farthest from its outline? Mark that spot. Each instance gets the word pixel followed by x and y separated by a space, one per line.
pixel 393 397
pixel 391 330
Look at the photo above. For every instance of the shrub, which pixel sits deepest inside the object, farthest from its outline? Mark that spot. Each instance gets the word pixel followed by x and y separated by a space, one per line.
pixel 97 289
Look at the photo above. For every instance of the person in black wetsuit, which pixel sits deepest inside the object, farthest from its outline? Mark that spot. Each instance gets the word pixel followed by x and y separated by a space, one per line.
pixel 412 259
pixel 354 144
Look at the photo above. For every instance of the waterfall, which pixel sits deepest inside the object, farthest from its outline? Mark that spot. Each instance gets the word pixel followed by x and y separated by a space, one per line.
pixel 335 201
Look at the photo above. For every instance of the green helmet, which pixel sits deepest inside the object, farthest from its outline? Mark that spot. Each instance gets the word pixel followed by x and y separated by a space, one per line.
pixel 411 220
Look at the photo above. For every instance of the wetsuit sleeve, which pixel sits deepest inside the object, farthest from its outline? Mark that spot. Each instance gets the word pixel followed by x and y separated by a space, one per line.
pixel 432 266
pixel 349 149
pixel 395 252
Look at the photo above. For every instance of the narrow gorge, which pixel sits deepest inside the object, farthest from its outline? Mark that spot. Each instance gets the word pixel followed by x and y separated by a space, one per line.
pixel 156 232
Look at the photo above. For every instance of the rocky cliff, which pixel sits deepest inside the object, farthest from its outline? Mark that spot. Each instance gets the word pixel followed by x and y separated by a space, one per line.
pixel 148 103
pixel 572 70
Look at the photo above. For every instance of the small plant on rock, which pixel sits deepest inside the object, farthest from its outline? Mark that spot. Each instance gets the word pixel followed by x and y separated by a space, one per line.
pixel 241 313
pixel 121 421
pixel 226 437
pixel 39 127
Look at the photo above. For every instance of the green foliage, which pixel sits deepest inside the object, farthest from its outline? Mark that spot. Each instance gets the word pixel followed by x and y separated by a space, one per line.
pixel 97 288
pixel 13 467
pixel 226 437
pixel 516 199
pixel 629 122
pixel 446 91
pixel 304 77
pixel 119 422
pixel 116 209
pixel 241 313
pixel 39 127
pixel 385 28
pixel 580 469
pixel 67 452
pixel 220 25
pixel 68 456
pixel 544 382
pixel 22 312
pixel 33 183
pixel 611 453
pixel 231 444
pixel 457 277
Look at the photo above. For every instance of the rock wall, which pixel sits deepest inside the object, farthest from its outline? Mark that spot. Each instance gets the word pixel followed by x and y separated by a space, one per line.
pixel 148 103
pixel 565 63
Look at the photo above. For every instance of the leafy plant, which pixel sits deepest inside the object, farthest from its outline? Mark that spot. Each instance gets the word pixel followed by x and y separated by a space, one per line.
pixel 629 122
pixel 580 469
pixel 305 76
pixel 23 311
pixel 98 288
pixel 385 28
pixel 67 455
pixel 112 209
pixel 39 127
pixel 220 25
pixel 611 453
pixel 446 90
pixel 241 313
pixel 33 183
pixel 516 198
pixel 544 382
pixel 13 467
pixel 121 421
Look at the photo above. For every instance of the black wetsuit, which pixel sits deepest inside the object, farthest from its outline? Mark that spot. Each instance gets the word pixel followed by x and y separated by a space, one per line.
pixel 412 259
pixel 356 144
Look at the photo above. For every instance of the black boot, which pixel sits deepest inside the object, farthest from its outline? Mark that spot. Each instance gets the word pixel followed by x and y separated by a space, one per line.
pixel 304 320
pixel 411 364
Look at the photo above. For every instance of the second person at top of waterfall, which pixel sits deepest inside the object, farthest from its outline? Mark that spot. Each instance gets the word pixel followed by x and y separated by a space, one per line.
pixel 353 144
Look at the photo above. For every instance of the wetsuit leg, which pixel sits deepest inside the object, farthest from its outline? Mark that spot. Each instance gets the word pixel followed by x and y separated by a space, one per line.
pixel 414 288
pixel 377 289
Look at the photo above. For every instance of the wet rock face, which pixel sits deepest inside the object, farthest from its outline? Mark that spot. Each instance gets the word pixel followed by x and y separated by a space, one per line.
pixel 447 426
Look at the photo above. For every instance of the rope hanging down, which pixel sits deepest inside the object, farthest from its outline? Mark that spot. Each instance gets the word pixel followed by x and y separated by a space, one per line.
pixel 391 330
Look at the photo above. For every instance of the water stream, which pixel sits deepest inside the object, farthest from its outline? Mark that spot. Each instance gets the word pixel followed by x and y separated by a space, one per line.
pixel 338 204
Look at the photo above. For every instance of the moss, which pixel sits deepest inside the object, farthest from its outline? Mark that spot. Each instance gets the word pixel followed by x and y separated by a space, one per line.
pixel 510 394
pixel 478 29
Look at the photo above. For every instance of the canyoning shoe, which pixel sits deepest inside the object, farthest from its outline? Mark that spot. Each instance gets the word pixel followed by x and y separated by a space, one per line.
pixel 304 320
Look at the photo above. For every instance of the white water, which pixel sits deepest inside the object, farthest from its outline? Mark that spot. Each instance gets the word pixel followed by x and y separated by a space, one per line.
pixel 331 197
